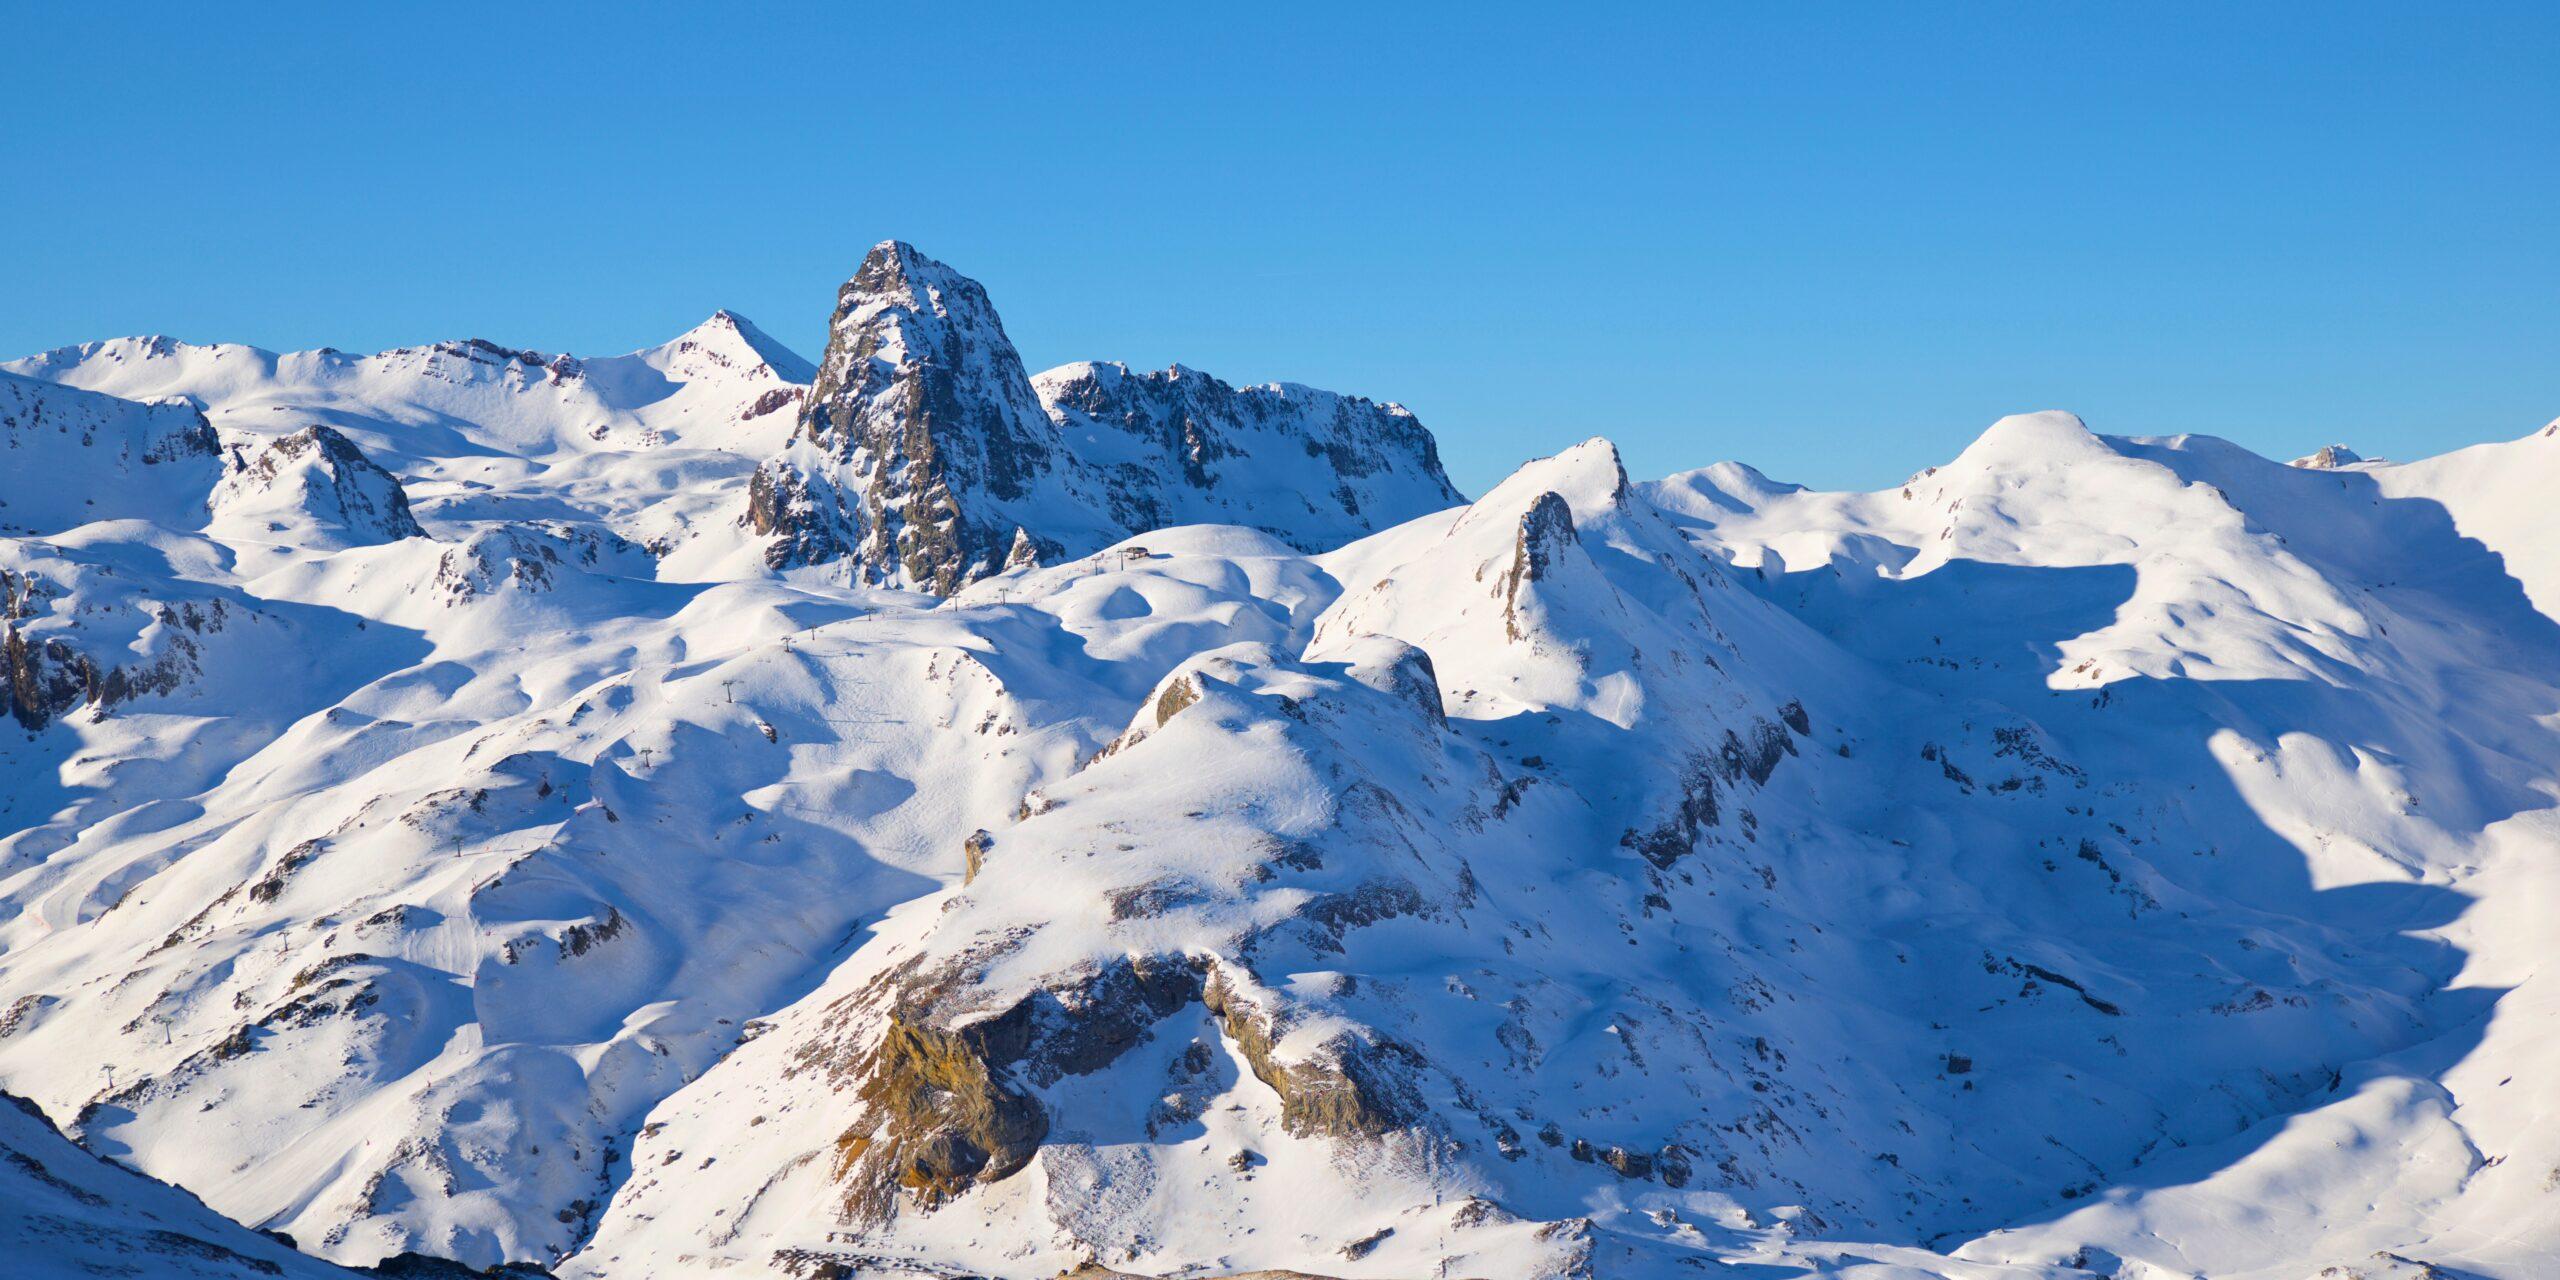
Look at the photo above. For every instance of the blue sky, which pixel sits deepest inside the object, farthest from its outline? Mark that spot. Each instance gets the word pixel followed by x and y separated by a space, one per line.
pixel 1831 240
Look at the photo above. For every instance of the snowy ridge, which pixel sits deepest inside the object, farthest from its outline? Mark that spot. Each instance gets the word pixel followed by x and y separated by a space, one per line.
pixel 1305 971
pixel 655 446
pixel 74 457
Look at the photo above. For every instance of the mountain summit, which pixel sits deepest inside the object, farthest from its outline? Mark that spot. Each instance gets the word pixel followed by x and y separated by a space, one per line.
pixel 928 458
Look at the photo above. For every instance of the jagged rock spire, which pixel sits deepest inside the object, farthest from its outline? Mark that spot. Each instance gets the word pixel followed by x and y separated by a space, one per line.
pixel 920 408
pixel 929 459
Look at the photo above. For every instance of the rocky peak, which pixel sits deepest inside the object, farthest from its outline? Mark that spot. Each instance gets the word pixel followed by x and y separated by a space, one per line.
pixel 316 483
pixel 918 366
pixel 1585 480
pixel 919 419
pixel 730 345
pixel 929 459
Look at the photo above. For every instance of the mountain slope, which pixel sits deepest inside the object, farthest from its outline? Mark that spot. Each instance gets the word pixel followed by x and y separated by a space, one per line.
pixel 2371 690
pixel 1566 907
pixel 353 801
pixel 66 1213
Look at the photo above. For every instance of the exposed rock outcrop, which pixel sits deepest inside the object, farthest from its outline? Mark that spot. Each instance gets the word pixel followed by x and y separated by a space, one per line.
pixel 531 559
pixel 947 1089
pixel 1348 1088
pixel 1546 529
pixel 2329 457
pixel 316 483
pixel 49 670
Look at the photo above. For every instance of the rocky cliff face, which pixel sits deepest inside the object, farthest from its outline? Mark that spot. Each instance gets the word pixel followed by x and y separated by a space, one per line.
pixel 920 430
pixel 928 457
pixel 76 630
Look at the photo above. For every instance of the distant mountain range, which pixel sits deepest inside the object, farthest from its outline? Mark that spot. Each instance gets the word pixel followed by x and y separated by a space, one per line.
pixel 698 812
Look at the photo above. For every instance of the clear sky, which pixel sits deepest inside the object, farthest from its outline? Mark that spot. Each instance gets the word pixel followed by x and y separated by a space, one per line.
pixel 1831 240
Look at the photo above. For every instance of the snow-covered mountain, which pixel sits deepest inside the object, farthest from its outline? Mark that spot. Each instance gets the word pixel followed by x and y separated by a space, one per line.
pixel 502 807
pixel 928 459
